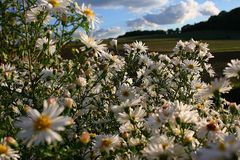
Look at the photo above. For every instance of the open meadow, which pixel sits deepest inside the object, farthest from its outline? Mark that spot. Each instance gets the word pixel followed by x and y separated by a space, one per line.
pixel 165 45
pixel 223 50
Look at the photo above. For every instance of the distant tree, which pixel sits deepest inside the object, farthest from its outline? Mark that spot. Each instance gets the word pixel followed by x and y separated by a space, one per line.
pixel 142 33
pixel 223 21
pixel 177 31
pixel 186 28
pixel 170 31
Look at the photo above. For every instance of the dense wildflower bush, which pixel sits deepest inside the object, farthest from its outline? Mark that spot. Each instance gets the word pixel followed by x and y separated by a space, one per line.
pixel 103 104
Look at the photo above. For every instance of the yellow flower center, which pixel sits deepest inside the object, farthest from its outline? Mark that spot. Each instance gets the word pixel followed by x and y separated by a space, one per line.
pixel 165 145
pixel 125 93
pixel 3 149
pixel 198 86
pixel 200 106
pixel 42 123
pixel 89 13
pixel 212 126
pixel 222 146
pixel 191 66
pixel 54 3
pixel 106 142
pixel 8 74
pixel 188 139
pixel 90 40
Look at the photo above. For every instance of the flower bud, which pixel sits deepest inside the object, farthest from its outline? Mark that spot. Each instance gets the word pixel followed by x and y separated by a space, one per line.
pixel 26 108
pixel 64 18
pixel 233 108
pixel 52 101
pixel 93 135
pixel 113 43
pixel 15 109
pixel 85 137
pixel 177 131
pixel 125 135
pixel 134 141
pixel 11 141
pixel 68 102
pixel 89 72
pixel 81 81
pixel 49 33
pixel 188 137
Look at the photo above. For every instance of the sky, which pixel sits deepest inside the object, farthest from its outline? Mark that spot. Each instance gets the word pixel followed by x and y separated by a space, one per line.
pixel 119 16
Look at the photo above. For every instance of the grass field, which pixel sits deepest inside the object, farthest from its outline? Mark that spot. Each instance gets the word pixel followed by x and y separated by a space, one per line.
pixel 166 45
pixel 223 50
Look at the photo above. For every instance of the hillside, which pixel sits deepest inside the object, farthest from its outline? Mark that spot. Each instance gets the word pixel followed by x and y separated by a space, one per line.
pixel 225 25
pixel 223 21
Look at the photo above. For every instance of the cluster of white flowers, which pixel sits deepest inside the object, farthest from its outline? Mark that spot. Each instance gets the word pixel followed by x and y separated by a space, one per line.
pixel 108 104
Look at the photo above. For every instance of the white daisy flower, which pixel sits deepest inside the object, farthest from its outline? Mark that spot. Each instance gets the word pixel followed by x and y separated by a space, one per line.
pixel 38 127
pixel 159 147
pixel 209 69
pixel 8 70
pixel 33 14
pixel 139 47
pixel 164 58
pixel 209 129
pixel 88 13
pixel 118 62
pixel 164 140
pixel 189 138
pixel 46 72
pixel 125 104
pixel 179 152
pixel 186 113
pixel 6 152
pixel 180 46
pixel 91 43
pixel 154 121
pixel 202 48
pixel 233 69
pixel 127 48
pixel 145 60
pixel 153 151
pixel 227 149
pixel 135 115
pixel 198 85
pixel 221 85
pixel 204 105
pixel 47 44
pixel 192 66
pixel 164 114
pixel 125 92
pixel 190 45
pixel 126 128
pixel 55 5
pixel 107 143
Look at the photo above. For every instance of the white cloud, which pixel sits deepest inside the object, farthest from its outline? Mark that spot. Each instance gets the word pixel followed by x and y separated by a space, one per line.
pixel 209 8
pixel 132 5
pixel 179 13
pixel 112 32
pixel 142 24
